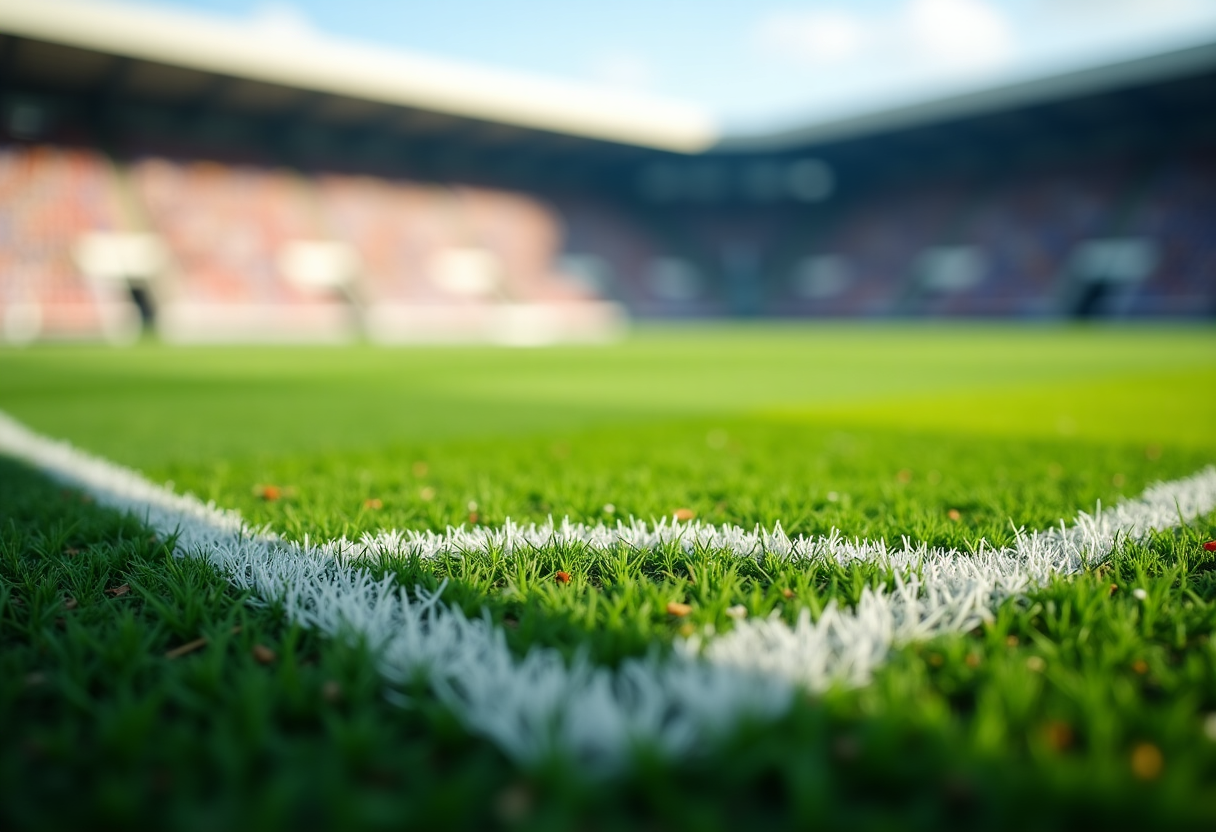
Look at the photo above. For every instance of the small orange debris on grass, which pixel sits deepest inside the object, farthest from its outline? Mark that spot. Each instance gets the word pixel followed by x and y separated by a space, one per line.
pixel 263 654
pixel 677 609
pixel 188 647
pixel 904 476
pixel 1059 735
pixel 954 514
pixel 373 503
pixel 269 493
pixel 118 591
pixel 191 646
pixel 1147 761
pixel 684 514
pixel 1140 666
pixel 514 803
pixel 786 592
pixel 562 577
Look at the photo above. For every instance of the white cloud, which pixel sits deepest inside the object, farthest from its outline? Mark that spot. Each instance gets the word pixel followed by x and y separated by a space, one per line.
pixel 1138 18
pixel 813 37
pixel 1119 7
pixel 916 33
pixel 282 20
pixel 623 69
pixel 967 32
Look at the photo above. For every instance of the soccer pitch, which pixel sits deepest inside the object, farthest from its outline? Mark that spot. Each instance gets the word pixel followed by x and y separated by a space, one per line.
pixel 870 634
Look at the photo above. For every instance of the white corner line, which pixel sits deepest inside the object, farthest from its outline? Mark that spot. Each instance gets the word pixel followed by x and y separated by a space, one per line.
pixel 541 703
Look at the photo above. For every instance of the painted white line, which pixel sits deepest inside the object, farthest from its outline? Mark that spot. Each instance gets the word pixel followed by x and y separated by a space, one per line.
pixel 542 704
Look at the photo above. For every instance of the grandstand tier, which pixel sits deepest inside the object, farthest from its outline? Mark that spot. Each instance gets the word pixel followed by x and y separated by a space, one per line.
pixel 218 199
pixel 217 252
pixel 49 198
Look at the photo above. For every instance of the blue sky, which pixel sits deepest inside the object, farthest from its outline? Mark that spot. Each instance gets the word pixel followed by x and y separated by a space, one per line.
pixel 755 64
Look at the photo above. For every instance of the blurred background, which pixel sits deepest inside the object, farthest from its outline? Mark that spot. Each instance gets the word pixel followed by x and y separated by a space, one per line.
pixel 539 172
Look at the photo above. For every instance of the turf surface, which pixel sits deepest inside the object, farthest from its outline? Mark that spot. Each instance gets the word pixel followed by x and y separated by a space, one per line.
pixel 1051 715
pixel 148 405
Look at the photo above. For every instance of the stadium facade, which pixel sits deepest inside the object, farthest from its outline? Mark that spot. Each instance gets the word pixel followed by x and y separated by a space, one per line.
pixel 170 171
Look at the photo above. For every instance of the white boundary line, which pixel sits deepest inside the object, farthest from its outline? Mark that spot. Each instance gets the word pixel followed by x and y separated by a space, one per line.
pixel 542 704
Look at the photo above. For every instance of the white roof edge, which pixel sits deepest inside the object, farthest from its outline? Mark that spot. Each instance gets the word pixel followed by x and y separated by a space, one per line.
pixel 368 72
pixel 1196 52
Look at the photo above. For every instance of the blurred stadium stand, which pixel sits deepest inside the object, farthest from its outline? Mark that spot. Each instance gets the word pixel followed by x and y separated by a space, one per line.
pixel 226 226
pixel 50 197
pixel 184 173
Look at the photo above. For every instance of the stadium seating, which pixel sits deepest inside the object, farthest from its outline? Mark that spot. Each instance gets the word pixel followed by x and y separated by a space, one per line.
pixel 50 197
pixel 1028 225
pixel 225 226
pixel 874 241
pixel 1177 210
pixel 654 262
pixel 457 264
pixel 247 252
pixel 593 229
pixel 738 247
pixel 396 228
pixel 1017 233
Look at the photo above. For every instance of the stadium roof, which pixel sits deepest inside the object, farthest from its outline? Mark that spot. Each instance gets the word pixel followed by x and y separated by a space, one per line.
pixel 145 51
pixel 1163 62
pixel 307 62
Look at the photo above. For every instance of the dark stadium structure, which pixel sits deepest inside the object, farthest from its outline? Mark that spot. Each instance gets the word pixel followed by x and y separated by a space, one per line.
pixel 198 180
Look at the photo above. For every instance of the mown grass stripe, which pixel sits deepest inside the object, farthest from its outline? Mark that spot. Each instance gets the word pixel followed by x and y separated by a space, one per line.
pixel 542 704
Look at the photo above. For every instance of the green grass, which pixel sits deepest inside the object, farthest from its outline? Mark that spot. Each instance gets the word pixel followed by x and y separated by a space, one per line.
pixel 1033 720
pixel 147 406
